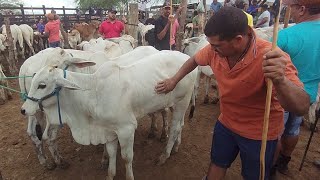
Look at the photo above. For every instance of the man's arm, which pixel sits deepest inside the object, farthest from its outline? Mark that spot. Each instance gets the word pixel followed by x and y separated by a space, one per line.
pixel 264 20
pixel 291 97
pixel 164 31
pixel 169 84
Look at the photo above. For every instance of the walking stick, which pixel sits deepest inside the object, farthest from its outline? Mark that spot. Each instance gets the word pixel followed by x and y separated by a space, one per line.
pixel 287 17
pixel 171 24
pixel 310 138
pixel 268 103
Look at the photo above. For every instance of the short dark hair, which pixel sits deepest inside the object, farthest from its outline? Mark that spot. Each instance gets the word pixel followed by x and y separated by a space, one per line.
pixel 314 10
pixel 195 13
pixel 227 23
pixel 264 6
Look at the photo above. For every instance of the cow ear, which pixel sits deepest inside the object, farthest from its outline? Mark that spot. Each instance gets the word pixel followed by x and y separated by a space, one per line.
pixel 67 84
pixel 80 63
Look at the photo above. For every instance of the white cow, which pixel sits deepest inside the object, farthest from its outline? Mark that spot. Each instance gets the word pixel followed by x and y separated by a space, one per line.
pixel 27 33
pixel 4 93
pixel 36 62
pixel 188 30
pixel 313 108
pixel 266 33
pixel 74 38
pixel 17 37
pixel 143 29
pixel 112 47
pixel 2 42
pixel 191 47
pixel 111 102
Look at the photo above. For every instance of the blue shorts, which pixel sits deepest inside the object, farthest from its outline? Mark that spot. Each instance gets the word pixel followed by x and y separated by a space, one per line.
pixel 226 146
pixel 292 124
pixel 54 44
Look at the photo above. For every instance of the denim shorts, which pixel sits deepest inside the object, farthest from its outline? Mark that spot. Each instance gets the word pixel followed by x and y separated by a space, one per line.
pixel 292 124
pixel 226 146
pixel 54 44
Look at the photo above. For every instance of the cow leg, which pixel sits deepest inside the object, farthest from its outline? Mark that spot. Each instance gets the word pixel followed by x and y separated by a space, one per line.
pixel 105 158
pixel 15 50
pixel 32 123
pixel 126 140
pixel 206 99
pixel 112 151
pixel 31 48
pixel 22 49
pixel 177 144
pixel 53 147
pixel 164 134
pixel 175 128
pixel 153 128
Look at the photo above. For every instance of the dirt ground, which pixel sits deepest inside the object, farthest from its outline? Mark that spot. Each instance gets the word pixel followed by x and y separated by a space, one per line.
pixel 18 159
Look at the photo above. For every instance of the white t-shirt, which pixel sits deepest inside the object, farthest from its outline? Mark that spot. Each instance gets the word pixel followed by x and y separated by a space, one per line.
pixel 263 15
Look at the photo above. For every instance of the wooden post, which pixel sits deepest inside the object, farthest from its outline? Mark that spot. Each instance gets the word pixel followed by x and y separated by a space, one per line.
pixel 287 17
pixel 44 10
pixel 11 61
pixel 66 24
pixel 182 22
pixel 133 20
pixel 22 13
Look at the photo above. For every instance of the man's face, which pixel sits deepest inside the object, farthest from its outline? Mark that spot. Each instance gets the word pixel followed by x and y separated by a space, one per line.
pixel 224 48
pixel 41 21
pixel 166 11
pixel 112 15
pixel 215 1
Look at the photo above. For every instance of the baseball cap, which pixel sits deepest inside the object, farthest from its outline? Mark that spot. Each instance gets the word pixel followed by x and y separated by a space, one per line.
pixel 113 10
pixel 50 16
pixel 167 4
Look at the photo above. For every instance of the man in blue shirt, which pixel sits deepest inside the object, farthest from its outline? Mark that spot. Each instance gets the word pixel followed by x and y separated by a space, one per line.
pixel 253 8
pixel 215 6
pixel 302 43
pixel 40 26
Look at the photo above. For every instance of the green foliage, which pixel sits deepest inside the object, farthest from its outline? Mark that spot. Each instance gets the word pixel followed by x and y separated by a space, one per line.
pixel 85 4
pixel 10 3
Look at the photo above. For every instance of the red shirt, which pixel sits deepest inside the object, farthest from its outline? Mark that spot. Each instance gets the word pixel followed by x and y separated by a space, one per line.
pixel 111 29
pixel 53 28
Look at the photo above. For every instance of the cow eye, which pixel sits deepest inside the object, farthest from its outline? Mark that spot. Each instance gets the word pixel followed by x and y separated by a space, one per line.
pixel 42 86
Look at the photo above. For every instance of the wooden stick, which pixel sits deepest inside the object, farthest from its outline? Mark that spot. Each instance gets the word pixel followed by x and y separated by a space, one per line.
pixel 268 103
pixel 171 24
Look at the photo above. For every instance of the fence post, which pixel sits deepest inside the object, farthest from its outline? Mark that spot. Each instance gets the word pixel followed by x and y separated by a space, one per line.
pixel 44 10
pixel 66 24
pixel 22 13
pixel 133 20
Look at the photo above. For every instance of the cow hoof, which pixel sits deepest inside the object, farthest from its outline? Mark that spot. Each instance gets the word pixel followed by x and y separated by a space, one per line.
pixel 206 100
pixel 215 100
pixel 312 127
pixel 163 138
pixel 50 165
pixel 162 159
pixel 151 136
pixel 104 165
pixel 63 165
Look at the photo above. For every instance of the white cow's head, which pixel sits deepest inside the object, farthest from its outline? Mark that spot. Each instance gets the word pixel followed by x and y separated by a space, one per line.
pixel 45 82
pixel 44 87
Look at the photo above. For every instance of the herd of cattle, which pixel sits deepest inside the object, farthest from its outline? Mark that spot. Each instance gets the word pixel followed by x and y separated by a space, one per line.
pixel 112 82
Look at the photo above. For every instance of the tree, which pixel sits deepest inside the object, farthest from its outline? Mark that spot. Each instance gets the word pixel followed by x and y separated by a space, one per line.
pixel 85 4
pixel 9 3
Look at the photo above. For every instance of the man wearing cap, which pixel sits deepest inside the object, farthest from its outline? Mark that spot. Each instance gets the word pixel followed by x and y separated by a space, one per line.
pixel 241 63
pixel 52 30
pixel 302 43
pixel 215 6
pixel 111 27
pixel 162 28
pixel 264 18
pixel 241 4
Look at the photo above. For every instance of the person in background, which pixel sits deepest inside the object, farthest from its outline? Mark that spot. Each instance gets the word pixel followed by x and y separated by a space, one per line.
pixel 302 43
pixel 162 27
pixel 175 28
pixel 253 8
pixel 52 29
pixel 215 6
pixel 228 3
pixel 241 4
pixel 112 27
pixel 264 18
pixel 195 23
pixel 40 26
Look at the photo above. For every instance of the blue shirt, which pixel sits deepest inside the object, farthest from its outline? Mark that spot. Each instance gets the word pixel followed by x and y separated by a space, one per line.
pixel 40 27
pixel 302 43
pixel 216 7
pixel 252 9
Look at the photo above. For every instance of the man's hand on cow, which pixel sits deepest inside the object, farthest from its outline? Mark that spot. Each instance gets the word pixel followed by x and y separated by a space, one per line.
pixel 165 86
pixel 274 66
